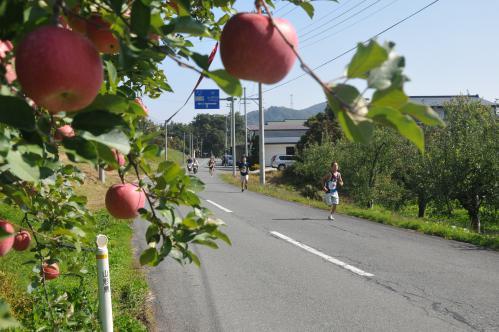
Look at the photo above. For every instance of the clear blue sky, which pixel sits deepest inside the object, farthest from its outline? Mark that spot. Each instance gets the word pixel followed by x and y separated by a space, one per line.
pixel 450 48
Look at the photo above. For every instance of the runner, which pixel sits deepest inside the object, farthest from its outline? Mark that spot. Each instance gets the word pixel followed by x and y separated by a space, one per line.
pixel 330 186
pixel 243 169
pixel 211 165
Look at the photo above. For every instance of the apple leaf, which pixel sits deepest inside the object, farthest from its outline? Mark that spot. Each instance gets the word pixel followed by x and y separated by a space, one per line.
pixel 98 122
pixel 141 18
pixel 367 57
pixel 200 60
pixel 22 168
pixel 423 113
pixel 186 24
pixel 110 103
pixel 79 149
pixel 308 8
pixel 393 97
pixel 228 83
pixel 17 113
pixel 4 234
pixel 149 257
pixel 404 124
pixel 114 139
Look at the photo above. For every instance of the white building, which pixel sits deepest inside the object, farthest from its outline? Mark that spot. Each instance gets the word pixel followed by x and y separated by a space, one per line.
pixel 281 137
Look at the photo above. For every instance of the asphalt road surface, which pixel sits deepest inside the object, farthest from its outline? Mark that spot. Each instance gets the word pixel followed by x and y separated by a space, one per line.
pixel 290 269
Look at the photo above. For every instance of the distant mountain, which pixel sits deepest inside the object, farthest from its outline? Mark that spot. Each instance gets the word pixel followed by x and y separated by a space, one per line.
pixel 279 113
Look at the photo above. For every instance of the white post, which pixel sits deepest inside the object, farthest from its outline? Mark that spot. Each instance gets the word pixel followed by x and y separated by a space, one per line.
pixel 262 134
pixel 102 174
pixel 105 306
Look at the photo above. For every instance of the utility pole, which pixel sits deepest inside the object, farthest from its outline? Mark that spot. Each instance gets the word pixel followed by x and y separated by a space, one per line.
pixel 245 126
pixel 226 138
pixel 262 135
pixel 166 140
pixel 233 135
pixel 183 150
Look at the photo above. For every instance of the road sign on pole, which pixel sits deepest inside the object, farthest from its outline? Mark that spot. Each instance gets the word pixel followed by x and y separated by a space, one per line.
pixel 206 99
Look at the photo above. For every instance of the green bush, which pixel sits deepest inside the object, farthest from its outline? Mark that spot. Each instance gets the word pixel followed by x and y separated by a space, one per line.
pixel 314 163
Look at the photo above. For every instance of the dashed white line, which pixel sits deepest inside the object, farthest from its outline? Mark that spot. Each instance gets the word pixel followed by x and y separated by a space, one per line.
pixel 219 206
pixel 322 255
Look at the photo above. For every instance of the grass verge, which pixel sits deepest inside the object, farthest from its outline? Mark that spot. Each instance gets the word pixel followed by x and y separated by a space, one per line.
pixel 377 214
pixel 128 283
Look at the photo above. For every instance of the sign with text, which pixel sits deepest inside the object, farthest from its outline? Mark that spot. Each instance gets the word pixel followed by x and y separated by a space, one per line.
pixel 207 99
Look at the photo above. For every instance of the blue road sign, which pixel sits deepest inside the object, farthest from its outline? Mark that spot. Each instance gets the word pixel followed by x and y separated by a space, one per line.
pixel 207 99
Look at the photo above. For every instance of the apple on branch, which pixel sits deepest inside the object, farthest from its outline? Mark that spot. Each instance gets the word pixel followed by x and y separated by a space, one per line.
pixel 58 69
pixel 124 200
pixel 252 49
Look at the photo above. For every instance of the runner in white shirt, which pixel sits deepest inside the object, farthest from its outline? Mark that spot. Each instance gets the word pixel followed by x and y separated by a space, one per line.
pixel 330 186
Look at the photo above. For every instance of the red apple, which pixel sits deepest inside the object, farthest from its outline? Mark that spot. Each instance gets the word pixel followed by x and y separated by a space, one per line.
pixel 59 69
pixel 120 159
pixel 50 271
pixel 141 104
pixel 22 241
pixel 76 22
pixel 124 200
pixel 65 131
pixel 252 49
pixel 99 32
pixel 7 243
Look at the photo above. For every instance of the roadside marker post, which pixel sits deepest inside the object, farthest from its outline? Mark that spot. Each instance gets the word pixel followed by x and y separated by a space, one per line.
pixel 105 304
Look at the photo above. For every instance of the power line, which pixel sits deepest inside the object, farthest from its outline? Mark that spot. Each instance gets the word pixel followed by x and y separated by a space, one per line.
pixel 365 18
pixel 353 48
pixel 281 8
pixel 334 18
pixel 341 22
pixel 289 11
pixel 324 16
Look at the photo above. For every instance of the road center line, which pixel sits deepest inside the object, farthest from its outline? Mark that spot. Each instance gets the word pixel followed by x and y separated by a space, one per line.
pixel 219 206
pixel 322 255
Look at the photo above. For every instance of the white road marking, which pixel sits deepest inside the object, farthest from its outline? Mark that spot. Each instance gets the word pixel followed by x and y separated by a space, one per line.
pixel 219 206
pixel 322 255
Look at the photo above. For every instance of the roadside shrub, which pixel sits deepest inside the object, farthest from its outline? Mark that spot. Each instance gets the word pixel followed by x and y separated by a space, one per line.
pixel 314 162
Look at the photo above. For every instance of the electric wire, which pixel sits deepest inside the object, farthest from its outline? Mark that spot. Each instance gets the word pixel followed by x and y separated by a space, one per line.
pixel 365 18
pixel 355 47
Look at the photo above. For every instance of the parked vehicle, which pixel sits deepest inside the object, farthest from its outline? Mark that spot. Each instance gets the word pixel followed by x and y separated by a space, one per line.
pixel 227 160
pixel 281 161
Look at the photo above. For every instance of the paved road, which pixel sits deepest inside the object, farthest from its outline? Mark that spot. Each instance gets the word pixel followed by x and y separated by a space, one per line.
pixel 312 274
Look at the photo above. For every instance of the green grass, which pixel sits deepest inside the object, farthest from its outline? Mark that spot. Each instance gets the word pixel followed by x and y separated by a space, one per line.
pixel 128 283
pixel 173 155
pixel 443 229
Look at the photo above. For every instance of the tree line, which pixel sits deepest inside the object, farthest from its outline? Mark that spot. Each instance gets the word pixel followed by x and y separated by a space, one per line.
pixel 459 167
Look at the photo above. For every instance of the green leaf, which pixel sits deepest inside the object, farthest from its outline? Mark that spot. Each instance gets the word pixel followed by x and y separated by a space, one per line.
pixel 423 113
pixel 116 5
pixel 366 58
pixel 184 7
pixel 222 236
pixel 190 198
pixel 79 149
pixel 388 74
pixel 194 258
pixel 20 167
pixel 404 124
pixel 114 139
pixel 98 122
pixel 171 171
pixel 186 24
pixel 16 113
pixel 394 98
pixel 110 103
pixel 196 184
pixel 152 234
pixel 141 18
pixel 166 247
pixel 228 83
pixel 308 8
pixel 200 60
pixel 149 257
pixel 207 243
pixel 106 154
pixel 112 75
pixel 355 130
